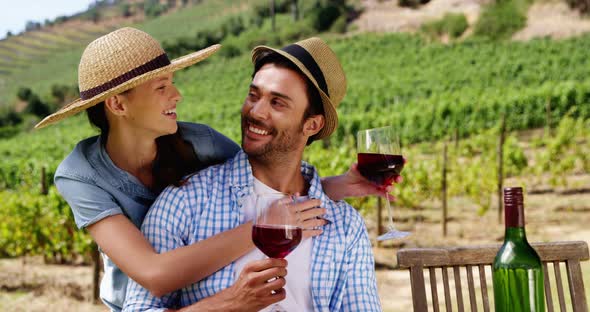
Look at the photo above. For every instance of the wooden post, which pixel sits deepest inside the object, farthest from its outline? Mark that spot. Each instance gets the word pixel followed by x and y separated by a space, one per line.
pixel 272 14
pixel 501 165
pixel 96 264
pixel 548 117
pixel 295 9
pixel 444 189
pixel 43 181
pixel 379 219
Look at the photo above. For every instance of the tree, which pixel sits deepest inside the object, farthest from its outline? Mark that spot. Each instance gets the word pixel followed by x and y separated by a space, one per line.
pixel 272 13
pixel 24 94
pixel 8 34
pixel 295 9
pixel 32 25
pixel 125 9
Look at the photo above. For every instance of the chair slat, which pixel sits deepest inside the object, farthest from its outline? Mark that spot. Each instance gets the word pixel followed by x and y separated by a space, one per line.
pixel 450 256
pixel 433 289
pixel 560 294
pixel 548 297
pixel 418 289
pixel 458 289
pixel 484 288
pixel 447 291
pixel 576 283
pixel 471 286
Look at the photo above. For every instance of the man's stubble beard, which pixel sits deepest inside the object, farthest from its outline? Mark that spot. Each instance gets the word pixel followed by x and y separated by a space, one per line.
pixel 274 152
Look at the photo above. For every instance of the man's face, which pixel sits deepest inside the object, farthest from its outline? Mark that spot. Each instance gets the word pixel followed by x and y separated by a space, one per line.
pixel 272 115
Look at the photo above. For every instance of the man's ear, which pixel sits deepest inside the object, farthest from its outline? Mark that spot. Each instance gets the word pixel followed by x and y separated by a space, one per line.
pixel 313 125
pixel 115 104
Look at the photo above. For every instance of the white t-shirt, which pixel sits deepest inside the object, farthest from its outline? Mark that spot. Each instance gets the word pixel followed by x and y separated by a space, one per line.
pixel 298 277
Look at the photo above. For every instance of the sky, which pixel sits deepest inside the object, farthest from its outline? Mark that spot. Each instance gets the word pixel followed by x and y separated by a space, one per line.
pixel 14 14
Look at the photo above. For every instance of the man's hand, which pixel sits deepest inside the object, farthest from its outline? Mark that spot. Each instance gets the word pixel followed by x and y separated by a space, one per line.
pixel 253 290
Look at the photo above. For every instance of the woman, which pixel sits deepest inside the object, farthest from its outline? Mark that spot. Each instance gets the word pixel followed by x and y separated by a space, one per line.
pixel 126 87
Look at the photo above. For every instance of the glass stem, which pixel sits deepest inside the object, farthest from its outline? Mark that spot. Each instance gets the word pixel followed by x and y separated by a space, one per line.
pixel 389 214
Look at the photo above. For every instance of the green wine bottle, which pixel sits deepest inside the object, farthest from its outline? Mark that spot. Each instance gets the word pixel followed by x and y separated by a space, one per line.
pixel 517 272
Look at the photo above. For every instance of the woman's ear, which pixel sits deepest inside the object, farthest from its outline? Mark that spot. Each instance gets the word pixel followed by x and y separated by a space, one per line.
pixel 313 125
pixel 115 104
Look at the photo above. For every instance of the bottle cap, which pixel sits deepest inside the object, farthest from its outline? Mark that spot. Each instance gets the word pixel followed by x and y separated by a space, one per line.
pixel 513 207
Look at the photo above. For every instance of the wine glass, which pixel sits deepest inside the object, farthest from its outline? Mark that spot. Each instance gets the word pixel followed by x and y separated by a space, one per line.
pixel 380 160
pixel 277 229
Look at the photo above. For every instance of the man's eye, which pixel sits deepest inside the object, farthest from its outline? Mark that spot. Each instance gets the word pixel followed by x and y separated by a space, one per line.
pixel 162 88
pixel 278 103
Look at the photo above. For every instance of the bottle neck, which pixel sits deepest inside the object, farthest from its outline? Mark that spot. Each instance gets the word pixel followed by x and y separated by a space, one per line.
pixel 515 234
pixel 513 213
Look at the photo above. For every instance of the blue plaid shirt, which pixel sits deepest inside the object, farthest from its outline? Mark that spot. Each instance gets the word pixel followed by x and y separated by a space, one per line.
pixel 342 264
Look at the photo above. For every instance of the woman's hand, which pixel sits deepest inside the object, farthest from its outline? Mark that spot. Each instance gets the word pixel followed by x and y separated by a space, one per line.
pixel 308 212
pixel 354 184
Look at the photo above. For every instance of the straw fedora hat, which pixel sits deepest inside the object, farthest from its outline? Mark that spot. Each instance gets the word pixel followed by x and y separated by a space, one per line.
pixel 319 63
pixel 119 61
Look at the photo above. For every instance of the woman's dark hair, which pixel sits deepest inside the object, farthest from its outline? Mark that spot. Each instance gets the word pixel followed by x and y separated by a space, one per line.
pixel 175 157
pixel 315 106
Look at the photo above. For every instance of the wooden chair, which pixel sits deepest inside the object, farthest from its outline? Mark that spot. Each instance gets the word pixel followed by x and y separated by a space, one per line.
pixel 478 257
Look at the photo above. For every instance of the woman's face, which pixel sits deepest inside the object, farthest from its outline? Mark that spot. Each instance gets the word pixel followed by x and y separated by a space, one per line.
pixel 151 106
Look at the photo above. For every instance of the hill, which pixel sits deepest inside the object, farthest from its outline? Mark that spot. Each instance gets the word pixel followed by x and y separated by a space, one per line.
pixel 49 55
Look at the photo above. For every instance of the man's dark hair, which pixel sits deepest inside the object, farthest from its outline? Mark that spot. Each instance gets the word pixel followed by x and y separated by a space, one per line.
pixel 315 106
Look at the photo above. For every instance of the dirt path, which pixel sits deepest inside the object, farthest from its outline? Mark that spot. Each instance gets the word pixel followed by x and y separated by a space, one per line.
pixel 544 19
pixel 387 16
pixel 552 19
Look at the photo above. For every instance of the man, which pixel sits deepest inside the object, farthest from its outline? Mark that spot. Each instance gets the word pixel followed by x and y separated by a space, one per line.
pixel 291 102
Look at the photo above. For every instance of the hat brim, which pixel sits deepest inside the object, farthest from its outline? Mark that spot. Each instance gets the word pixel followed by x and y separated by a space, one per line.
pixel 80 105
pixel 330 114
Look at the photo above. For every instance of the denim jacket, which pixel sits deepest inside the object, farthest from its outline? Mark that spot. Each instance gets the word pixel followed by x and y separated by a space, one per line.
pixel 96 188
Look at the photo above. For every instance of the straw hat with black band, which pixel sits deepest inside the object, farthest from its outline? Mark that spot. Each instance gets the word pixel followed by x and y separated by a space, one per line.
pixel 119 61
pixel 319 63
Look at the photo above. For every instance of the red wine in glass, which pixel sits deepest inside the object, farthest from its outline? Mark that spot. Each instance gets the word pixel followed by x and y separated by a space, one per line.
pixel 276 241
pixel 381 169
pixel 380 161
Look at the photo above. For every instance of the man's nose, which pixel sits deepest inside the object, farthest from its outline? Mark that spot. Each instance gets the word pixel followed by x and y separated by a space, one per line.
pixel 260 109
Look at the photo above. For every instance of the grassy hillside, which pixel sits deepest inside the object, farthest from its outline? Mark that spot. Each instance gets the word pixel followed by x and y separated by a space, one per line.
pixel 40 59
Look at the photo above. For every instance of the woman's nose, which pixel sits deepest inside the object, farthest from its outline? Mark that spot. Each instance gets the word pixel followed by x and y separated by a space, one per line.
pixel 176 94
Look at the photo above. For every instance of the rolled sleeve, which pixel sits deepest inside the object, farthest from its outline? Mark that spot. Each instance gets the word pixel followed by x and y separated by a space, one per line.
pixel 165 226
pixel 89 203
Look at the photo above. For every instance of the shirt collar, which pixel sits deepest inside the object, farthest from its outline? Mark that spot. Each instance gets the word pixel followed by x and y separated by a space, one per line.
pixel 106 168
pixel 241 176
